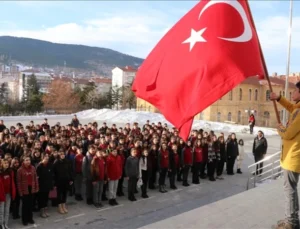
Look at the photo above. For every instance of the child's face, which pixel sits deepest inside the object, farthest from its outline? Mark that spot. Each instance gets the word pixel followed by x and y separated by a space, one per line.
pixel 5 164
pixel 133 153
pixel 114 152
pixel 145 153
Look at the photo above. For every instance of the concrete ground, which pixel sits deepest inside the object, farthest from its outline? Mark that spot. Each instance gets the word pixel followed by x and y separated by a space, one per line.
pixel 161 206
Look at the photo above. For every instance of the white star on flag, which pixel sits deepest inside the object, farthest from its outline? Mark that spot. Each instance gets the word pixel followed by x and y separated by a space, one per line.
pixel 195 37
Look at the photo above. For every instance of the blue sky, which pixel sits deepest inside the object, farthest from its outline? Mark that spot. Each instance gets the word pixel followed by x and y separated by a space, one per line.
pixel 134 27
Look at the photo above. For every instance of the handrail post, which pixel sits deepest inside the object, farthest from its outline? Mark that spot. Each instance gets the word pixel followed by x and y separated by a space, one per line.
pixel 272 177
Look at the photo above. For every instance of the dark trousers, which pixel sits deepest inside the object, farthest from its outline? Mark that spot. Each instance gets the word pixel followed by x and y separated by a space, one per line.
pixel 16 206
pixel 202 169
pixel 259 166
pixel 89 189
pixel 62 189
pixel 145 182
pixel 104 190
pixel 132 182
pixel 185 173
pixel 35 202
pixel 43 199
pixel 251 129
pixel 230 164
pixel 162 176
pixel 196 171
pixel 172 177
pixel 211 168
pixel 179 174
pixel 152 178
pixel 27 209
pixel 120 185
pixel 220 167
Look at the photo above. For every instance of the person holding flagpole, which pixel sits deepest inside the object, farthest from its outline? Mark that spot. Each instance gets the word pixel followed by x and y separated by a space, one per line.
pixel 290 158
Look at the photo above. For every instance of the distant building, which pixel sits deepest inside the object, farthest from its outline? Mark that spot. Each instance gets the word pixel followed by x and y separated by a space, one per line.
pixel 103 85
pixel 13 91
pixel 43 80
pixel 250 97
pixel 123 76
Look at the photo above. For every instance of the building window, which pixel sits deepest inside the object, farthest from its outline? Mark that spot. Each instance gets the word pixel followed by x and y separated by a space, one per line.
pixel 141 108
pixel 250 94
pixel 280 93
pixel 283 94
pixel 229 116
pixel 219 117
pixel 149 108
pixel 256 95
pixel 230 95
pixel 241 94
pixel 267 95
pixel 291 96
pixel 239 116
pixel 266 114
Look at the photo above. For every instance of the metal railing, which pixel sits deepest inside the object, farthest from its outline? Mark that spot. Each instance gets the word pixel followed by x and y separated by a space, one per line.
pixel 273 170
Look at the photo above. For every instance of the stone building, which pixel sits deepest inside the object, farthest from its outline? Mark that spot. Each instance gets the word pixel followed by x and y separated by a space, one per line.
pixel 250 97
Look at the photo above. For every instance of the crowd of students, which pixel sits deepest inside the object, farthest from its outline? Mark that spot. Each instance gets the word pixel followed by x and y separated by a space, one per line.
pixel 43 163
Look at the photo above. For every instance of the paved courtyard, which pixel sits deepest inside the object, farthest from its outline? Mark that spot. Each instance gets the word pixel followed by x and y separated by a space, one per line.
pixel 160 207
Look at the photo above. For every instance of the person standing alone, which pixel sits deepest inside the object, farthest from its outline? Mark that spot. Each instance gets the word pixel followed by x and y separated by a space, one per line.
pixel 260 146
pixel 290 159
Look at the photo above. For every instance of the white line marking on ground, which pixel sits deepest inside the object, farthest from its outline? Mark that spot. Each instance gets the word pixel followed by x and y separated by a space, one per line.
pixel 163 200
pixel 120 205
pixel 75 216
pixel 58 220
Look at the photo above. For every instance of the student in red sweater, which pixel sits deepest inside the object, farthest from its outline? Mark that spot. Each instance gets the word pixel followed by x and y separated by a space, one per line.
pixel 163 165
pixel 78 174
pixel 114 173
pixel 174 165
pixel 9 191
pixel 98 172
pixel 187 161
pixel 197 160
pixel 27 186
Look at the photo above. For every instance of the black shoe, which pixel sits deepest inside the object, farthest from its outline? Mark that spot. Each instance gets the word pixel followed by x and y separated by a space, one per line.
pixel 179 179
pixel 196 182
pixel 25 223
pixel 136 191
pixel 119 194
pixel 173 187
pixel 111 202
pixel 239 171
pixel 16 217
pixel 89 202
pixel 151 187
pixel 31 221
pixel 203 177
pixel 104 198
pixel 96 205
pixel 100 205
pixel 115 202
pixel 212 179
pixel 133 199
pixel 161 189
pixel 185 184
pixel 145 196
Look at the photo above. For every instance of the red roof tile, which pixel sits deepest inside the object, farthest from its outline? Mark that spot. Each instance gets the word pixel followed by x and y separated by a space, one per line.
pixel 128 69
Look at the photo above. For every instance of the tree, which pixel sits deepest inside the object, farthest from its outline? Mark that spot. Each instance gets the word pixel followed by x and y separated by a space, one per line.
pixel 3 93
pixel 128 97
pixel 61 97
pixel 116 96
pixel 86 93
pixel 33 99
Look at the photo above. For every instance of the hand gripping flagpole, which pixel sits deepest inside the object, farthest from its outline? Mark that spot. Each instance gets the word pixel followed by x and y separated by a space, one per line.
pixel 284 118
pixel 264 66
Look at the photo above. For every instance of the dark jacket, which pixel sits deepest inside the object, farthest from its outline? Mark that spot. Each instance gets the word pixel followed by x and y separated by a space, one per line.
pixel 62 170
pixel 260 146
pixel 132 167
pixel 232 148
pixel 45 177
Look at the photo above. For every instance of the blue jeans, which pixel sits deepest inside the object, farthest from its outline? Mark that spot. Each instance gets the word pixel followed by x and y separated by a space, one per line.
pixel 4 210
pixel 291 197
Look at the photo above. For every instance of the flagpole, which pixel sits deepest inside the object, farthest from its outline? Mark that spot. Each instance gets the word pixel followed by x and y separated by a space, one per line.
pixel 284 118
pixel 264 66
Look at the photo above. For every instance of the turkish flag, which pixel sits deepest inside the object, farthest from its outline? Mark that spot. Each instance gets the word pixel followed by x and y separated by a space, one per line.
pixel 212 49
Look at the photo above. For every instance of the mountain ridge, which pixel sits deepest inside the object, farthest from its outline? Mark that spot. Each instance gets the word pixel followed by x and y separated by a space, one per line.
pixel 49 54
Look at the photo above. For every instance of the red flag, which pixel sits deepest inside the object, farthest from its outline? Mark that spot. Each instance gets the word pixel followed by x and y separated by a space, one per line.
pixel 212 49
